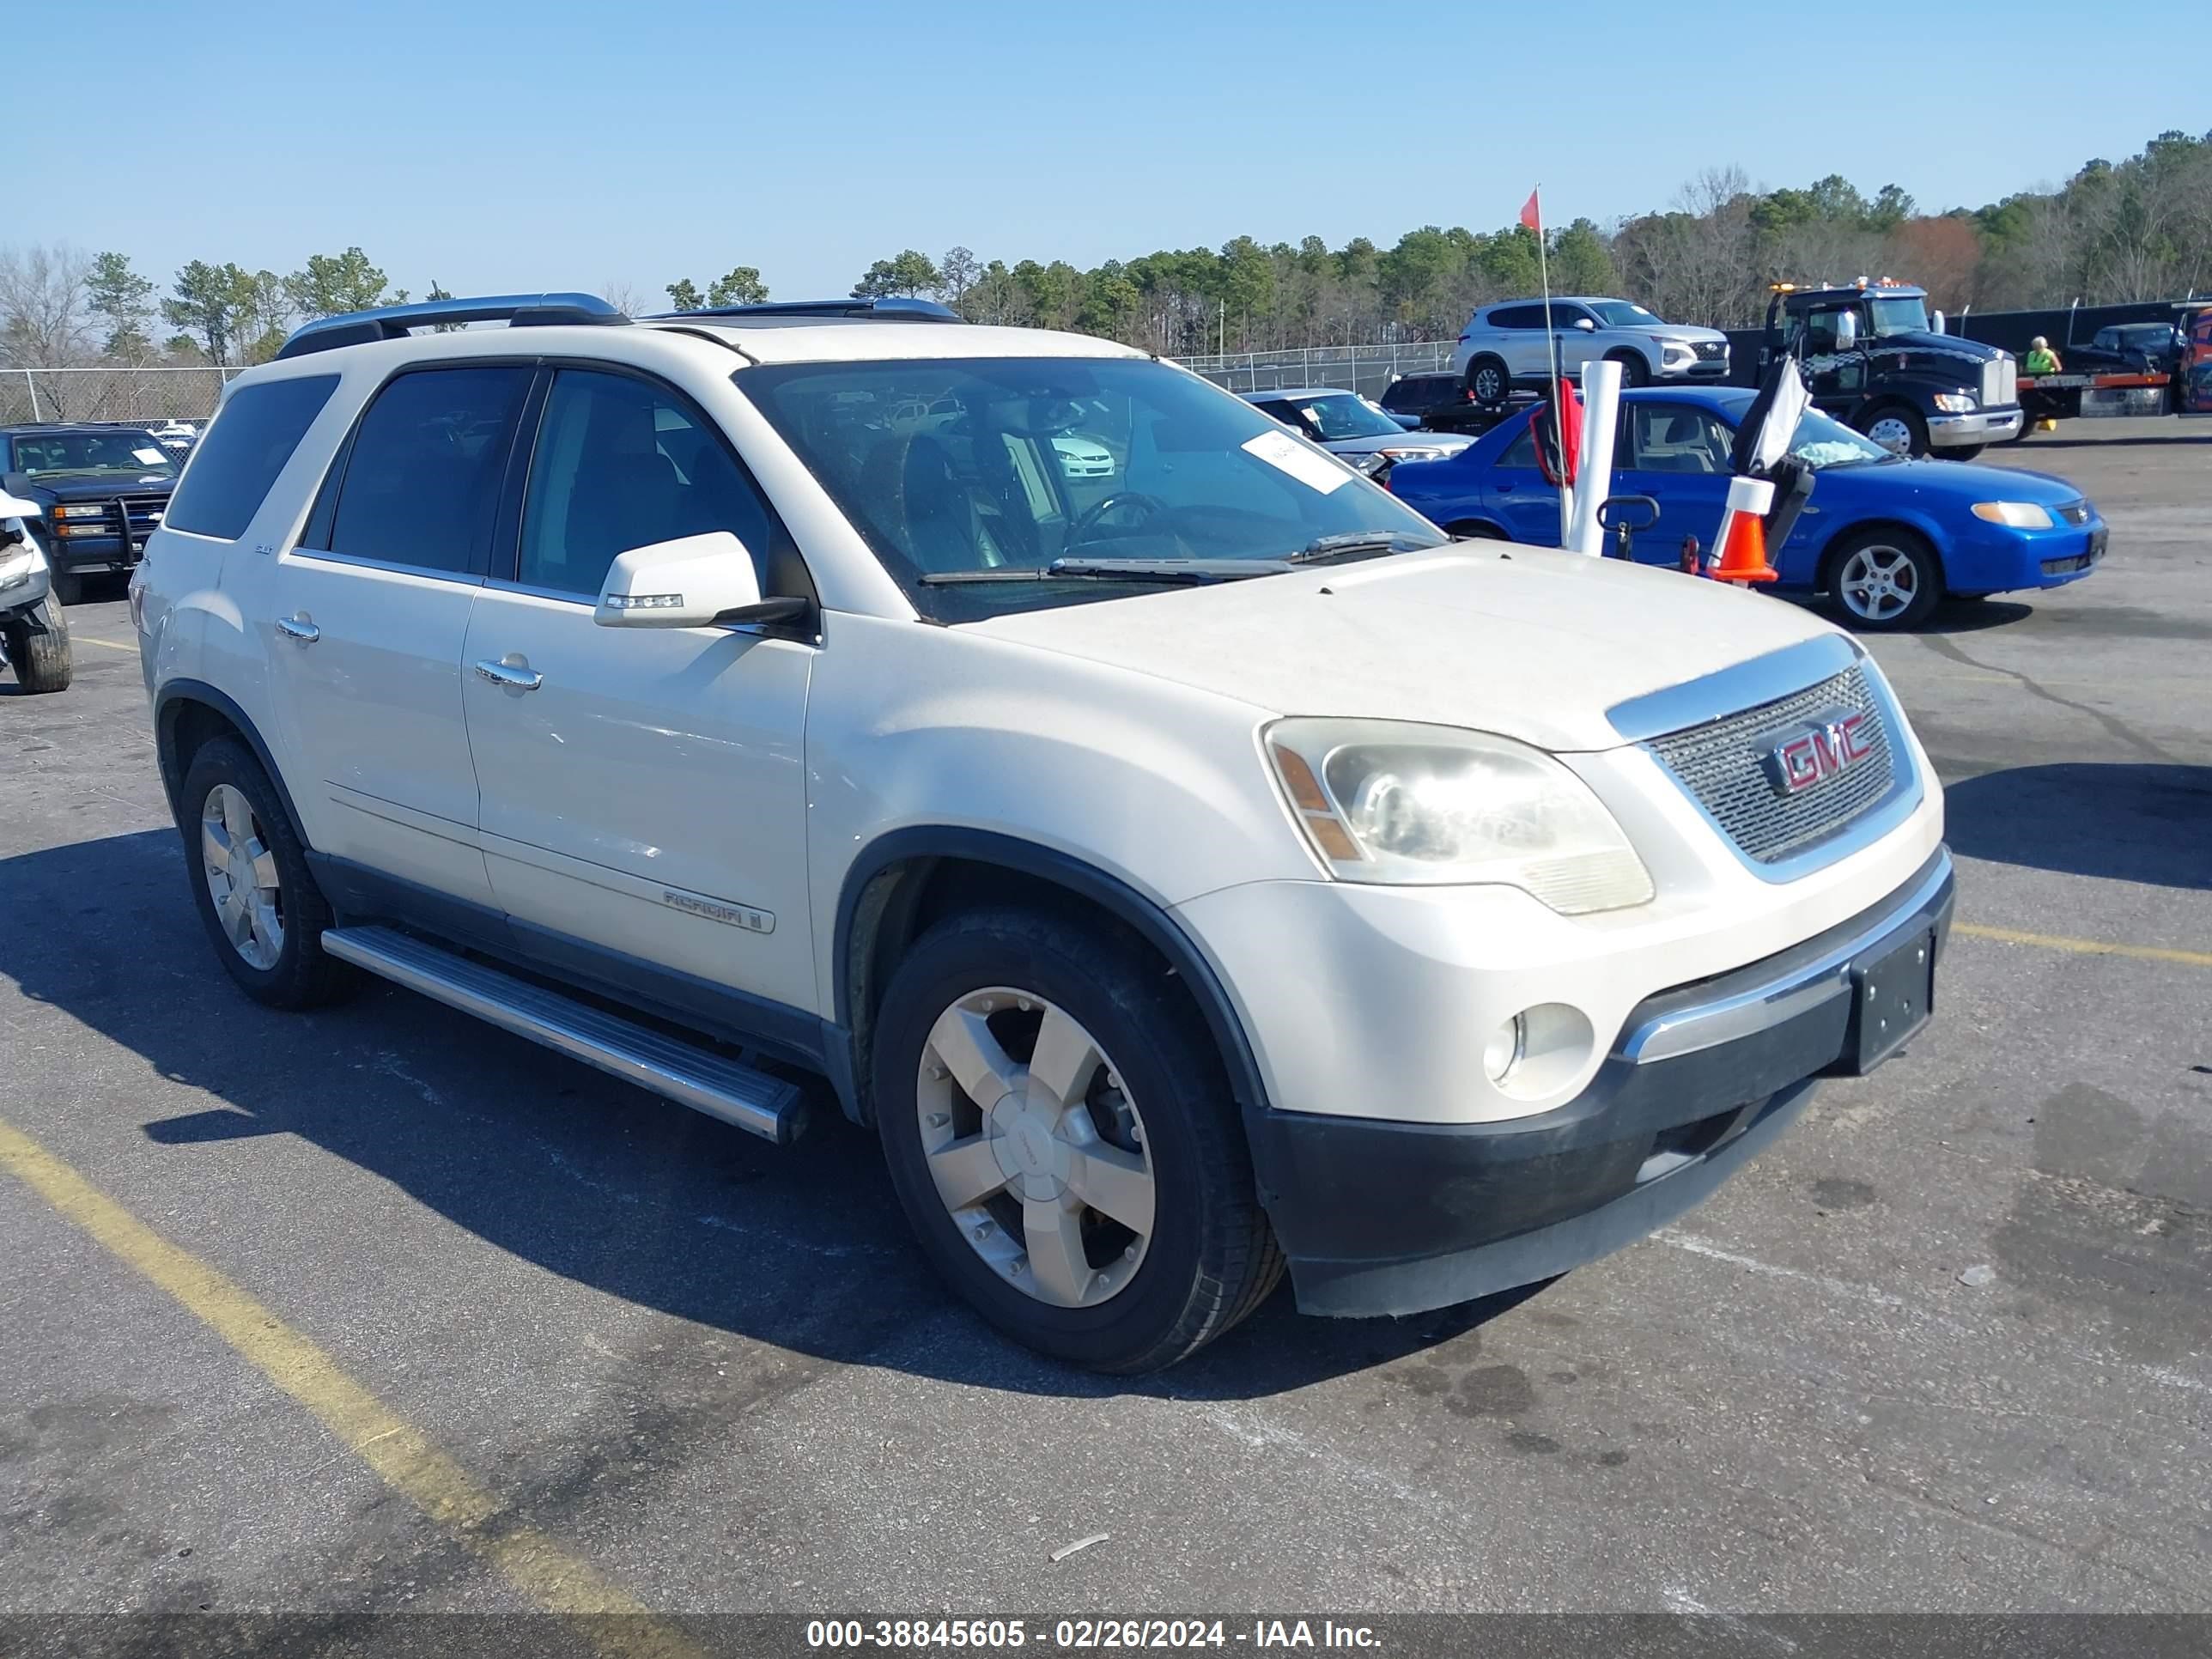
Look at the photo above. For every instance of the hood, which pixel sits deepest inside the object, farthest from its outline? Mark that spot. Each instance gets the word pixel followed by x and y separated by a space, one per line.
pixel 70 487
pixel 1918 341
pixel 1519 640
pixel 1401 440
pixel 1687 332
pixel 1957 482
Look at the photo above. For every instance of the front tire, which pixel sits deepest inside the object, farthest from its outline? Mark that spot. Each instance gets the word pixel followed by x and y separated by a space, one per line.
pixel 1884 580
pixel 1634 370
pixel 38 647
pixel 1062 1135
pixel 1490 382
pixel 255 895
pixel 1899 428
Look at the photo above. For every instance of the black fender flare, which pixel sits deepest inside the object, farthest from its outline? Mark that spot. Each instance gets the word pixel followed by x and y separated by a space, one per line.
pixel 1149 919
pixel 169 704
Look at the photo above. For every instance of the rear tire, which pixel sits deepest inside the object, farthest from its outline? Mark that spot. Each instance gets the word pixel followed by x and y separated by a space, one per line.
pixel 1490 382
pixel 268 927
pixel 1476 532
pixel 38 647
pixel 67 585
pixel 1129 1104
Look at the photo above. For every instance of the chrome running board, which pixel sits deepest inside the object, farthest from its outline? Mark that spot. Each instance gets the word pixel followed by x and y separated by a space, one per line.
pixel 682 1072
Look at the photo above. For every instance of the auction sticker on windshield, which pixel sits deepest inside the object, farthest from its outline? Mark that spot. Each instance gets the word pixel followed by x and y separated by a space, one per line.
pixel 1315 471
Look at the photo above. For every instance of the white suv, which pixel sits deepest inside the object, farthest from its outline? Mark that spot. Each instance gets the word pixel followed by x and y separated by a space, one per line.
pixel 1186 865
pixel 1505 346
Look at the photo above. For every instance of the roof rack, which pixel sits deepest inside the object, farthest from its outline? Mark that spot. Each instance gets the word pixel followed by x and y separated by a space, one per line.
pixel 895 309
pixel 396 322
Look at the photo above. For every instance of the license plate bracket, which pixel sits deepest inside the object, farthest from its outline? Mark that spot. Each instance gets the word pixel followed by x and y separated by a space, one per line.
pixel 1891 999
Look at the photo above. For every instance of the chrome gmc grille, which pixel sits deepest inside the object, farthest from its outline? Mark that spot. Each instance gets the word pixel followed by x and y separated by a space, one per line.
pixel 1723 764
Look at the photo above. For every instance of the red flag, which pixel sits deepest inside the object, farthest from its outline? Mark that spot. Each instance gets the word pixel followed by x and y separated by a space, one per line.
pixel 1531 215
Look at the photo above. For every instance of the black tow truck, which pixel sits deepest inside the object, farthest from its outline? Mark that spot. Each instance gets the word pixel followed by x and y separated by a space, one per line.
pixel 1876 360
pixel 101 491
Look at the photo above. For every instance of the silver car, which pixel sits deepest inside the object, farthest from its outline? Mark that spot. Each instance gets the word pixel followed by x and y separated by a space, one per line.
pixel 1344 423
pixel 1502 346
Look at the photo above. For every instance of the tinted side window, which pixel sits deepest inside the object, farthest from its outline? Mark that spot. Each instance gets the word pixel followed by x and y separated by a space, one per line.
pixel 1518 317
pixel 1522 452
pixel 421 484
pixel 243 451
pixel 621 463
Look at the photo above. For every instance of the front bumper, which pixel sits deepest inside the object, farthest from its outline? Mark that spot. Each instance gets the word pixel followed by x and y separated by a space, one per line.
pixel 105 551
pixel 1697 371
pixel 1987 426
pixel 1384 1217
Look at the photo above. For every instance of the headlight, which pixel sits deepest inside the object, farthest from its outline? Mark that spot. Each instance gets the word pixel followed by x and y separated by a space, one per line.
pixel 2018 515
pixel 1956 403
pixel 1415 453
pixel 1406 804
pixel 15 566
pixel 80 510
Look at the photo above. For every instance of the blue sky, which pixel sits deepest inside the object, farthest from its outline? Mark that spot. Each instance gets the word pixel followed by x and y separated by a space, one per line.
pixel 498 147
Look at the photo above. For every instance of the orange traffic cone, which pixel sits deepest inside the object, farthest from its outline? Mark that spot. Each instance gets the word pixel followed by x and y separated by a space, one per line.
pixel 1743 551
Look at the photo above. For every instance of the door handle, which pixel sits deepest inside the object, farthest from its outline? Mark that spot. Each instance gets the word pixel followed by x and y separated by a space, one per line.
pixel 298 629
pixel 510 676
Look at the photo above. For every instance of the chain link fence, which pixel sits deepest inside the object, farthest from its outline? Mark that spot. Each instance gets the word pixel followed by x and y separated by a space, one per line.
pixel 1366 369
pixel 110 394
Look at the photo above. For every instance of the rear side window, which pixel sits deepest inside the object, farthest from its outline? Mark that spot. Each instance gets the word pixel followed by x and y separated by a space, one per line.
pixel 243 451
pixel 422 481
pixel 1518 317
pixel 1522 452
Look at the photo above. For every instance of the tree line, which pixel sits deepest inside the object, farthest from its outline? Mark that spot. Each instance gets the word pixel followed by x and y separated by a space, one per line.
pixel 2138 228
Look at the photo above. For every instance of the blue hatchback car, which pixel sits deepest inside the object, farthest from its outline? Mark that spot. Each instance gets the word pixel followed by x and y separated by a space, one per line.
pixel 1884 537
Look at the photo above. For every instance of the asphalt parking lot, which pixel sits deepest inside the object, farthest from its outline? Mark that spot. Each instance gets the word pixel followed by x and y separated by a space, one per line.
pixel 1948 1347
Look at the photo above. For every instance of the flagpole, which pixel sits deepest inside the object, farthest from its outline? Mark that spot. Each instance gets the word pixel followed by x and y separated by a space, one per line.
pixel 1554 371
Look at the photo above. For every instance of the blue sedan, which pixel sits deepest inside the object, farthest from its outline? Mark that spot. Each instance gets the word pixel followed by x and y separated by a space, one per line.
pixel 1884 537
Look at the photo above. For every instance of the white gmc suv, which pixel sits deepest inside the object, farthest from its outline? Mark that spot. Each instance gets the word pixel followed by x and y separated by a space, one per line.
pixel 1190 864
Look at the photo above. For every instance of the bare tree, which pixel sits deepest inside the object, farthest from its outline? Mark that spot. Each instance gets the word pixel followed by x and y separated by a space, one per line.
pixel 45 321
pixel 627 298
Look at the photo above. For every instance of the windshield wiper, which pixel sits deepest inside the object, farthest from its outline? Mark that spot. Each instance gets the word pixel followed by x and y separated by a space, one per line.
pixel 1187 572
pixel 1359 543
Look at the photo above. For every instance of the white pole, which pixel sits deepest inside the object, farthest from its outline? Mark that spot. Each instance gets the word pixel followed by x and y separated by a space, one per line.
pixel 33 387
pixel 1601 407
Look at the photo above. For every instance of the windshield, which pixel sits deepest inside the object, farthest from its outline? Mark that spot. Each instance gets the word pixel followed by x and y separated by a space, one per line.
pixel 1906 316
pixel 1822 441
pixel 1011 464
pixel 1340 416
pixel 42 454
pixel 1622 313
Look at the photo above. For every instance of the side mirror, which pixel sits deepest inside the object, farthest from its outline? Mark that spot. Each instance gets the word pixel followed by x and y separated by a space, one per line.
pixel 1935 321
pixel 689 582
pixel 1586 325
pixel 1847 329
pixel 15 507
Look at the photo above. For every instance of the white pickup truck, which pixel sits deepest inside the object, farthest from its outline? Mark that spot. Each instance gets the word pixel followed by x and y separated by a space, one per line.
pixel 1188 865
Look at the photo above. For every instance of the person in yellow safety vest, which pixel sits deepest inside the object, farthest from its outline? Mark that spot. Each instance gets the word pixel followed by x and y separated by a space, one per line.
pixel 2042 360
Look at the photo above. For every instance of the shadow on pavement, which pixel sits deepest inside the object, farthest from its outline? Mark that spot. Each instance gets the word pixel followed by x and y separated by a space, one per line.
pixel 802 1248
pixel 2128 822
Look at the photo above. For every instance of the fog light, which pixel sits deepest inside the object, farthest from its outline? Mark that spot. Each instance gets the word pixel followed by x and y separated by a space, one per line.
pixel 1503 1052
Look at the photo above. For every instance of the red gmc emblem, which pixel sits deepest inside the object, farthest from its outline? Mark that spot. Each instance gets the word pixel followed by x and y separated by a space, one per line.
pixel 1834 744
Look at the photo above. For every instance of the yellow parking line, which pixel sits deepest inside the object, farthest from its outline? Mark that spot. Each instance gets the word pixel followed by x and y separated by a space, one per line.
pixel 401 1456
pixel 2087 947
pixel 87 639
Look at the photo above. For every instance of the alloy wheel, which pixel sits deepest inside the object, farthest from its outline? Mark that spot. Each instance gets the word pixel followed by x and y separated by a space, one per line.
pixel 241 876
pixel 1879 583
pixel 1036 1150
